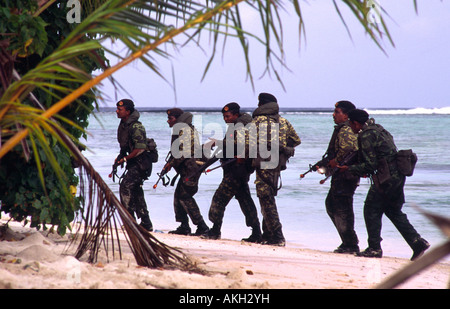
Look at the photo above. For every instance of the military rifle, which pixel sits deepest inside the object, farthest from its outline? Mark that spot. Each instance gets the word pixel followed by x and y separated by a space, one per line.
pixel 113 173
pixel 312 168
pixel 162 175
pixel 221 165
pixel 205 165
pixel 213 159
pixel 347 159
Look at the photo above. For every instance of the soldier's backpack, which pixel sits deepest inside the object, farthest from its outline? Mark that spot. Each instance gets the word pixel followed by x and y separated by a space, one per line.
pixel 152 149
pixel 406 162
pixel 146 159
pixel 406 159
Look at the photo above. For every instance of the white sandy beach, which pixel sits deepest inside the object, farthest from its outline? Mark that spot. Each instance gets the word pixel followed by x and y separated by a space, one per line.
pixel 36 262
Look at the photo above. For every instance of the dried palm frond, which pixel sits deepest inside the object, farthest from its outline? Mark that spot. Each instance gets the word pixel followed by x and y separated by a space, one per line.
pixel 104 216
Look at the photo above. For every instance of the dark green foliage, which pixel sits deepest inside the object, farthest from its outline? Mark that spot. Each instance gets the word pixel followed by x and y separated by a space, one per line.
pixel 25 32
pixel 24 197
pixel 22 194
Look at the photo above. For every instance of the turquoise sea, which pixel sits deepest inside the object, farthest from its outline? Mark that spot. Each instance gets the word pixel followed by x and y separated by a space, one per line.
pixel 300 202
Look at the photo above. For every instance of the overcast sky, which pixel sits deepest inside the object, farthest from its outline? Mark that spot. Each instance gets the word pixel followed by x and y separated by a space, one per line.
pixel 328 67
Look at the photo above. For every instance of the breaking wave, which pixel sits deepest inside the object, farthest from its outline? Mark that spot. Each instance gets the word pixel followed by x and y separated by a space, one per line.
pixel 412 111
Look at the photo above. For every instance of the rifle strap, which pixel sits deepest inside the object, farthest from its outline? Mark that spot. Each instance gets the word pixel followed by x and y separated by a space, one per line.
pixel 172 183
pixel 121 176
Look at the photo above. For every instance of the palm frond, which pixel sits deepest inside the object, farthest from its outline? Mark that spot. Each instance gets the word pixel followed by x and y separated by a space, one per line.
pixel 104 216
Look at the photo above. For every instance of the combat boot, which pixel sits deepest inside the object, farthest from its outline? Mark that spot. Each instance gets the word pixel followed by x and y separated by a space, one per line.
pixel 371 252
pixel 347 249
pixel 419 246
pixel 146 223
pixel 213 233
pixel 183 229
pixel 202 229
pixel 277 239
pixel 255 237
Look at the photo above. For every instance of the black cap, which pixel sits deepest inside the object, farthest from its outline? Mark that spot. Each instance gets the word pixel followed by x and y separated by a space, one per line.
pixel 176 112
pixel 264 98
pixel 129 105
pixel 358 115
pixel 345 106
pixel 231 107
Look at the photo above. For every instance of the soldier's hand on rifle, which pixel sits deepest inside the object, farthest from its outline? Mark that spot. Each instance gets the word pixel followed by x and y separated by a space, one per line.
pixel 343 168
pixel 332 163
pixel 119 161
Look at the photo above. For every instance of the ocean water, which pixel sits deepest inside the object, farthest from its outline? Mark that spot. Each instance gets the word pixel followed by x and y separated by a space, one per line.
pixel 300 202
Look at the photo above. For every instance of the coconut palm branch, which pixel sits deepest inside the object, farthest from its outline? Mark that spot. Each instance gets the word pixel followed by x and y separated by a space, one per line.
pixel 144 28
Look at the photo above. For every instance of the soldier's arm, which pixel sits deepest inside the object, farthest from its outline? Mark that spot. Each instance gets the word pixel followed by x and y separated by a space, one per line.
pixel 347 142
pixel 133 154
pixel 368 158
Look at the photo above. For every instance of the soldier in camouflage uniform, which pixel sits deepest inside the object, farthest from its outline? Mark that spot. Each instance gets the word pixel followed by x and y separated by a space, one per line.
pixel 236 174
pixel 339 201
pixel 377 159
pixel 133 142
pixel 274 140
pixel 185 142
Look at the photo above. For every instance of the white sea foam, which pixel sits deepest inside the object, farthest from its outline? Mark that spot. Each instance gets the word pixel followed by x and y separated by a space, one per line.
pixel 412 111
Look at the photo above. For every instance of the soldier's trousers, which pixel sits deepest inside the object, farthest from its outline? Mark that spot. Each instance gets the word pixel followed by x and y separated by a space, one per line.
pixel 266 190
pixel 230 187
pixel 131 193
pixel 339 206
pixel 184 202
pixel 389 201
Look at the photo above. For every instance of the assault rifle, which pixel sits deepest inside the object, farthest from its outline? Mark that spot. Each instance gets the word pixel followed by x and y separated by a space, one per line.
pixel 162 175
pixel 312 168
pixel 113 173
pixel 213 159
pixel 205 165
pixel 347 159
pixel 221 165
pixel 320 167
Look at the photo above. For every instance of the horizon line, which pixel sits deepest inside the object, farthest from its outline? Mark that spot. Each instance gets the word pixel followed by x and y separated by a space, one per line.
pixel 249 109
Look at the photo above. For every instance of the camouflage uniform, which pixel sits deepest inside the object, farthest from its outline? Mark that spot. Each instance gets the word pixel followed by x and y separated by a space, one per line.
pixel 386 195
pixel 131 135
pixel 235 182
pixel 184 163
pixel 265 118
pixel 339 201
